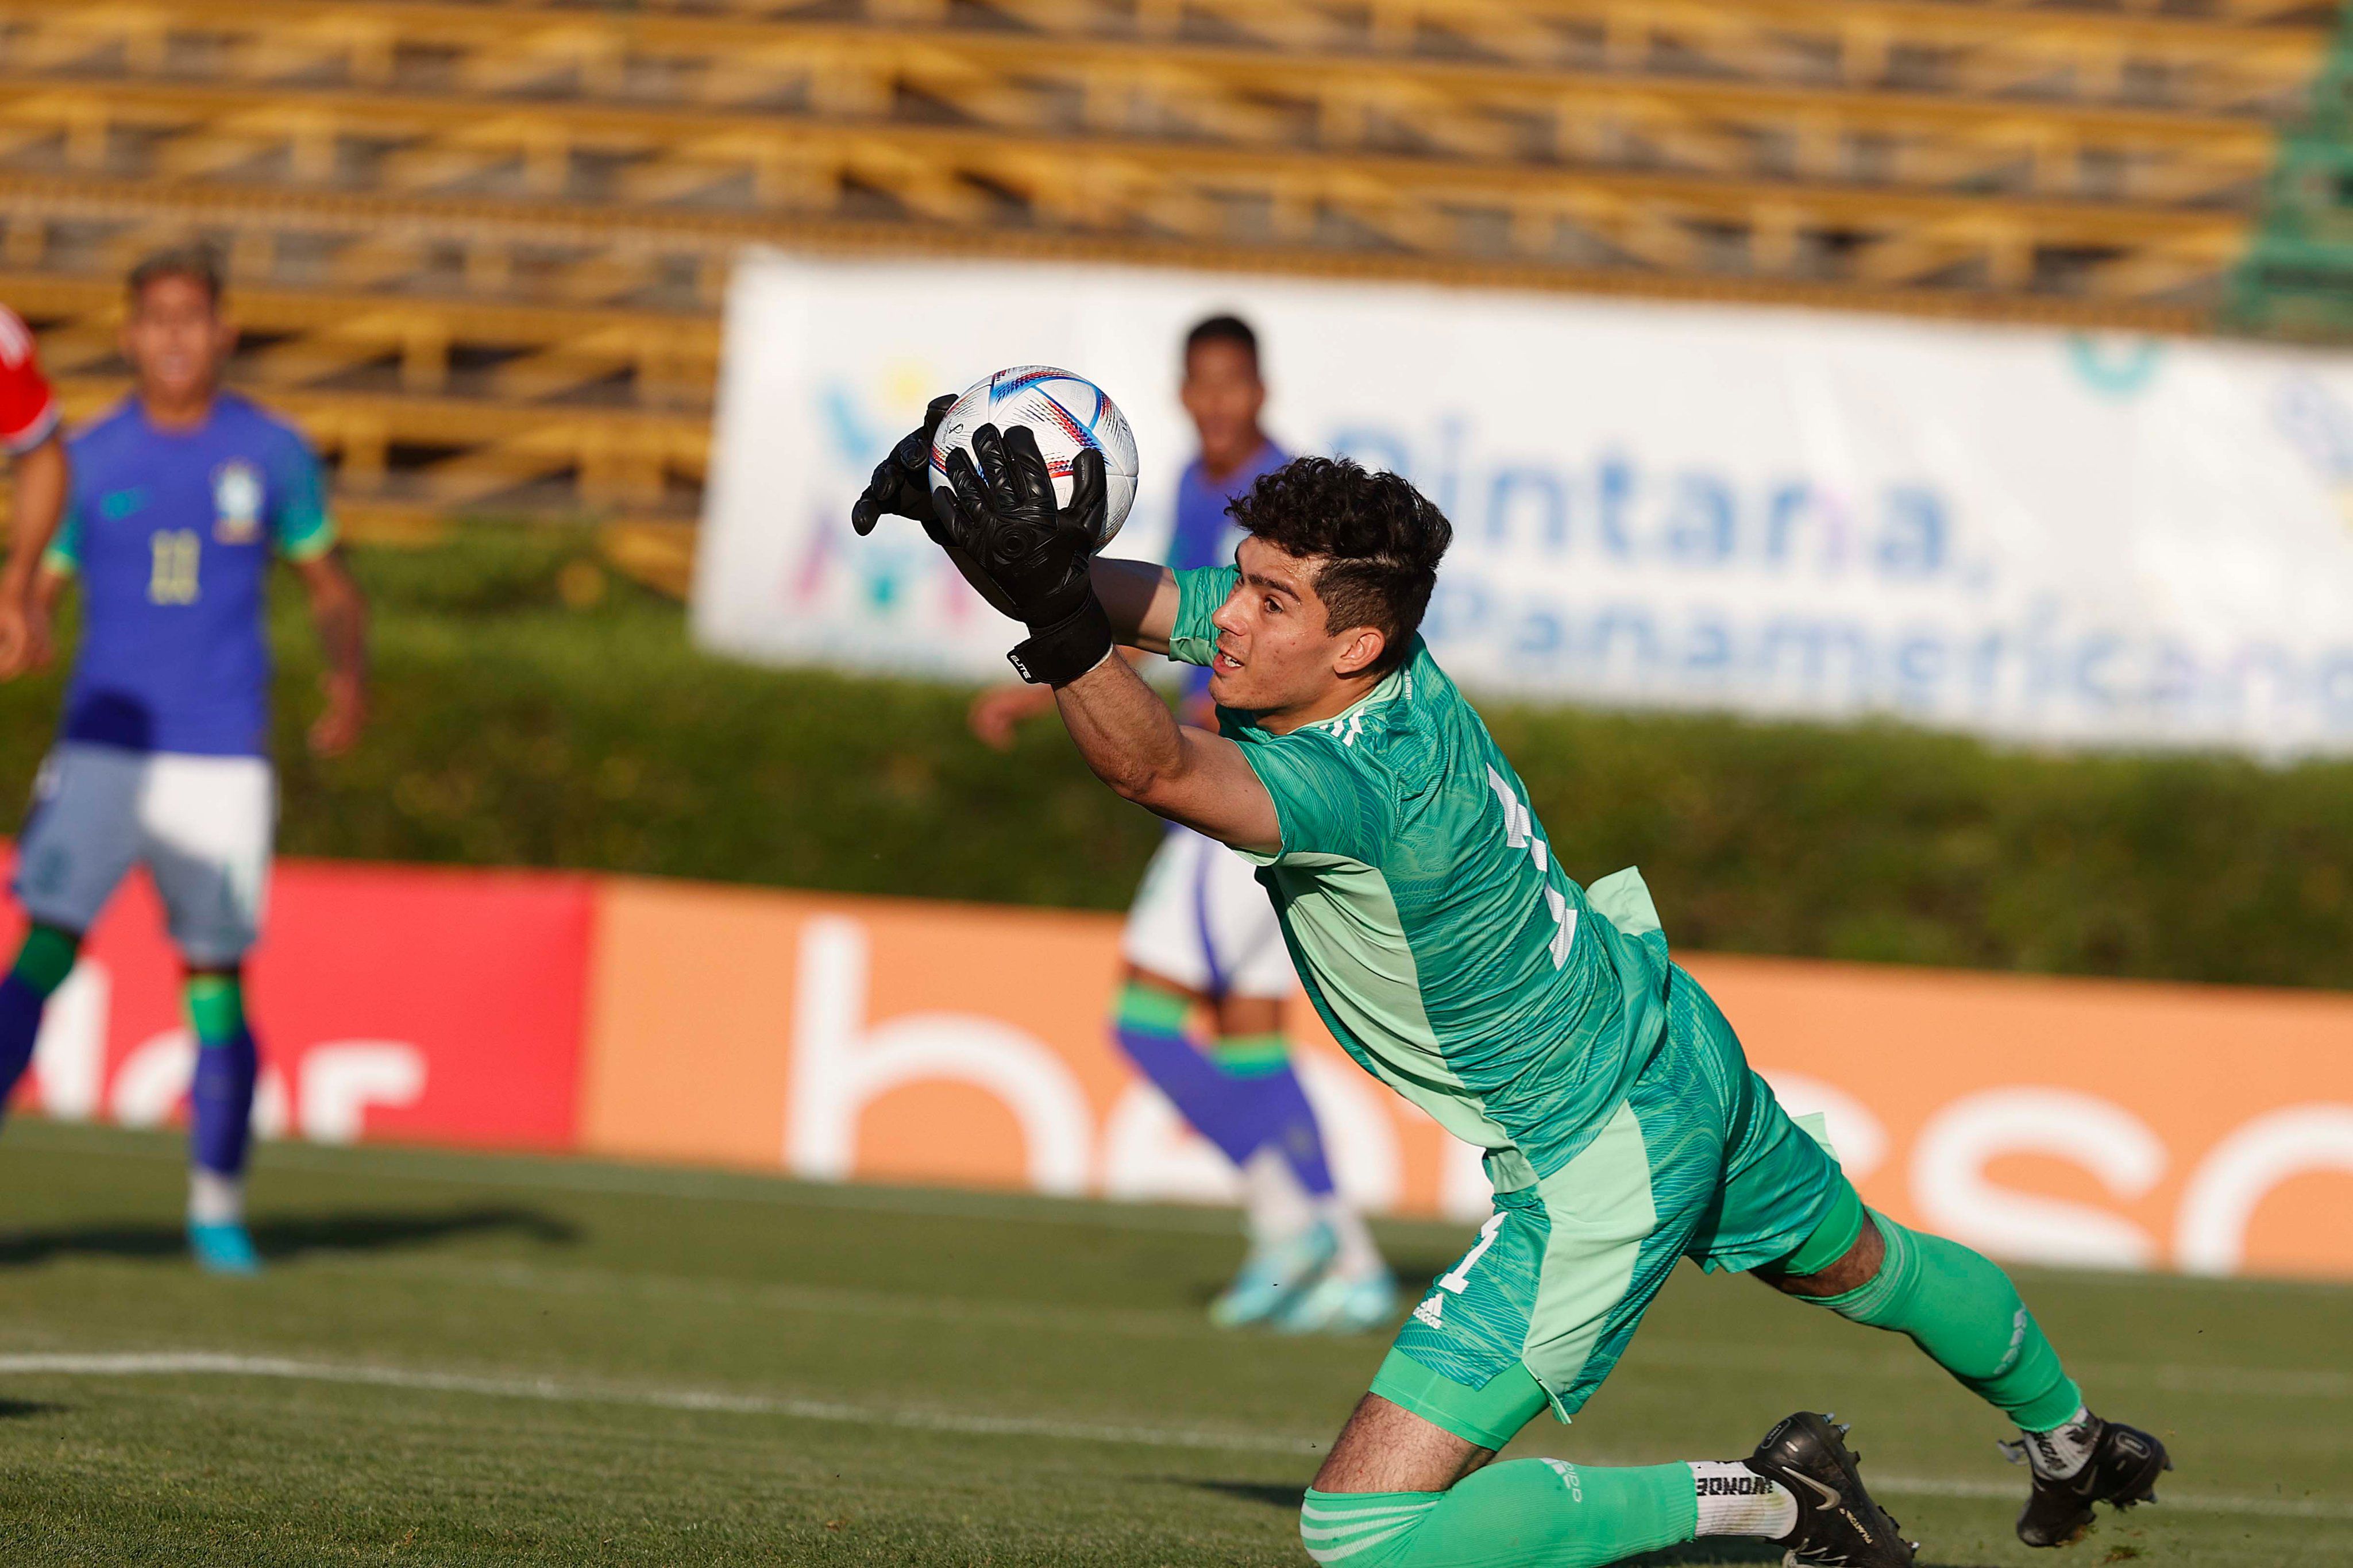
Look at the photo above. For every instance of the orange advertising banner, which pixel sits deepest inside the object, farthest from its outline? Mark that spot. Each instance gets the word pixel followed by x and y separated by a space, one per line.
pixel 879 1040
pixel 2086 1122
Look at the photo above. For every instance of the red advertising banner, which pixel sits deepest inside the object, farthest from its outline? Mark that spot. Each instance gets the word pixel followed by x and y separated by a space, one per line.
pixel 390 1001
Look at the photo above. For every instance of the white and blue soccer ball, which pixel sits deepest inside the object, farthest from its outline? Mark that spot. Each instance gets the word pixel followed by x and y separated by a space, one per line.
pixel 1066 413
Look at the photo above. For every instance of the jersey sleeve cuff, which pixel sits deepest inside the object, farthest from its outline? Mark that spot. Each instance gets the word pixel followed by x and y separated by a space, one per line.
pixel 1194 639
pixel 312 543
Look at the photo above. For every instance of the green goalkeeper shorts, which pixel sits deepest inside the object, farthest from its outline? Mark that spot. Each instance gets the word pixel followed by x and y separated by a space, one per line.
pixel 1699 1160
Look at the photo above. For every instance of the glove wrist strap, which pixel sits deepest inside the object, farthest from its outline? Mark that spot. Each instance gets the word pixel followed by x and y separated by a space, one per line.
pixel 1059 653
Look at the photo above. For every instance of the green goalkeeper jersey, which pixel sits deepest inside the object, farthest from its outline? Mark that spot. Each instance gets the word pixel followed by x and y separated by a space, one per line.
pixel 1442 944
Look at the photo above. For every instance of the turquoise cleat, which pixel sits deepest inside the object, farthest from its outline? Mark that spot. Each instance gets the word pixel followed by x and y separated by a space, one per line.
pixel 1271 1276
pixel 1339 1305
pixel 223 1248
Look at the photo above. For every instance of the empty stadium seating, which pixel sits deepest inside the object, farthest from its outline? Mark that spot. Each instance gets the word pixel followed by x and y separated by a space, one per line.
pixel 480 244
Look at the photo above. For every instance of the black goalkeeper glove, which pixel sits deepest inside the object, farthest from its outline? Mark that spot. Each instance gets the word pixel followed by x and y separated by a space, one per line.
pixel 901 485
pixel 1002 517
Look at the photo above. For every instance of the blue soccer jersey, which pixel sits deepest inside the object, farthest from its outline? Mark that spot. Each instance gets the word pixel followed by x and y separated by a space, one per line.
pixel 1205 535
pixel 172 533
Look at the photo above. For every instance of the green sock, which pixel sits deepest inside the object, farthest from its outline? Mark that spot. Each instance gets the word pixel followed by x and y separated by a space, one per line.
pixel 1964 1313
pixel 1526 1512
pixel 1251 1056
pixel 1149 1007
pixel 46 959
pixel 215 1007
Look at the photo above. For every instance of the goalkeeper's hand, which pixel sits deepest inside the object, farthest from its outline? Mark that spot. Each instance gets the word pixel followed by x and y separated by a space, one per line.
pixel 902 486
pixel 1002 522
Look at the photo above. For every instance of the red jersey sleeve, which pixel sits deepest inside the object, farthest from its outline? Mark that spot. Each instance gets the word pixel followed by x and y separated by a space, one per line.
pixel 28 412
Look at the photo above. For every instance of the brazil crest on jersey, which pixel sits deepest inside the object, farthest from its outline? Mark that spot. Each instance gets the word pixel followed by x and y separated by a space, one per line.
pixel 1442 944
pixel 172 533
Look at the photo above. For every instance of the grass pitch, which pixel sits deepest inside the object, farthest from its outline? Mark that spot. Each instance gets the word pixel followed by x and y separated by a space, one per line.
pixel 458 1358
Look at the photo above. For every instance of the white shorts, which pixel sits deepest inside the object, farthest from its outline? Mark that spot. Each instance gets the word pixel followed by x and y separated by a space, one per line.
pixel 1202 920
pixel 202 826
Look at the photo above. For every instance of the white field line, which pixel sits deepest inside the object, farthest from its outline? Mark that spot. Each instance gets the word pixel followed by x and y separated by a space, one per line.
pixel 183 1363
pixel 2295 1382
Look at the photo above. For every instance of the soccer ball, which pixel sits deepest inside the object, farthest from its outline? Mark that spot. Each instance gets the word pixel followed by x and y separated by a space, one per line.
pixel 1066 413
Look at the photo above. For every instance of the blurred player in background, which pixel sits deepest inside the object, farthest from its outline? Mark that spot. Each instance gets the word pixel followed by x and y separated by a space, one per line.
pixel 1202 939
pixel 1543 1022
pixel 28 430
pixel 181 497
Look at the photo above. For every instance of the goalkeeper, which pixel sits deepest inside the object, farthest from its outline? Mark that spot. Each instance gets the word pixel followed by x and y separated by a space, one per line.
pixel 1456 962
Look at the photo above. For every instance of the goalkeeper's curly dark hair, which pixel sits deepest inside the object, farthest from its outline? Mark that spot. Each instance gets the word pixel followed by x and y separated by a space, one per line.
pixel 1379 538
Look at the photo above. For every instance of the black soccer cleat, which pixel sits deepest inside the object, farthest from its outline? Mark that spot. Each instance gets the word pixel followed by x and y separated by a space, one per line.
pixel 2122 1472
pixel 1838 1524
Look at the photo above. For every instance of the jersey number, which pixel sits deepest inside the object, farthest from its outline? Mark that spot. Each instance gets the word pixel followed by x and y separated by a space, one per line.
pixel 1520 833
pixel 1458 1278
pixel 172 569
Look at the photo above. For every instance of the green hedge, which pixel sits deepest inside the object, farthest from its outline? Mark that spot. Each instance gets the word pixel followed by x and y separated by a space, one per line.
pixel 532 712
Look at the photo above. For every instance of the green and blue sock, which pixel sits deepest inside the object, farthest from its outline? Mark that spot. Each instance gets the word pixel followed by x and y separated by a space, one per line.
pixel 1241 1094
pixel 42 963
pixel 220 1101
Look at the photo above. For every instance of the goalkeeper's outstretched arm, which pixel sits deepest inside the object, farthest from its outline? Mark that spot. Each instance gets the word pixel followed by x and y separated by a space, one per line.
pixel 1134 744
pixel 1139 599
pixel 1127 735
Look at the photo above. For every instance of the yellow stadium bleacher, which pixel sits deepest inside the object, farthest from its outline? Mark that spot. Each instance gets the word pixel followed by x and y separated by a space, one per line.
pixel 546 195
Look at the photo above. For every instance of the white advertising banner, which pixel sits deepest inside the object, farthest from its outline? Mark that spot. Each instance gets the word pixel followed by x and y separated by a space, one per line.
pixel 2022 533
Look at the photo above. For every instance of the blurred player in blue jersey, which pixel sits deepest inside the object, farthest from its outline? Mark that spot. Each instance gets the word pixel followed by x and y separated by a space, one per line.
pixel 180 499
pixel 1202 937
